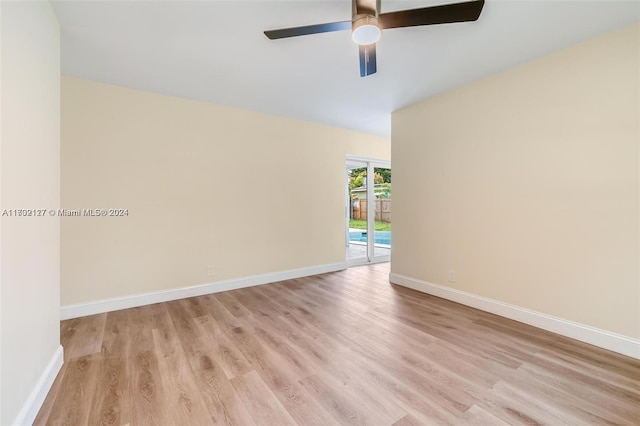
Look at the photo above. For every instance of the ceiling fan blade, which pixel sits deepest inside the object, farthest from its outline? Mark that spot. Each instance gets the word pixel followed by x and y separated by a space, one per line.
pixel 309 29
pixel 368 60
pixel 444 14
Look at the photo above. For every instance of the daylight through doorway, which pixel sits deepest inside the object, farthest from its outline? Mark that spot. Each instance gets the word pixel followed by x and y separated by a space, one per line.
pixel 368 211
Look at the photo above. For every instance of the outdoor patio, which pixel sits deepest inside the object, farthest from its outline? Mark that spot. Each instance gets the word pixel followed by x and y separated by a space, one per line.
pixel 359 250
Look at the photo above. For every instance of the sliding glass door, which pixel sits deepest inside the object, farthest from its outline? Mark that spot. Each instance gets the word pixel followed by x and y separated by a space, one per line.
pixel 368 211
pixel 382 228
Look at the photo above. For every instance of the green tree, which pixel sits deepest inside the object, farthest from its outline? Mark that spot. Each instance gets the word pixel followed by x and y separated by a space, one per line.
pixel 385 173
pixel 356 181
pixel 362 171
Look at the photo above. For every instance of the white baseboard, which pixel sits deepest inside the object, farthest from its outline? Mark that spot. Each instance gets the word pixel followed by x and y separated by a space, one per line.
pixel 32 405
pixel 115 304
pixel 594 336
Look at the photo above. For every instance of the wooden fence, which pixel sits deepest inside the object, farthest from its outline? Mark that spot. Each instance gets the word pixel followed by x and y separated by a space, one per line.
pixel 383 210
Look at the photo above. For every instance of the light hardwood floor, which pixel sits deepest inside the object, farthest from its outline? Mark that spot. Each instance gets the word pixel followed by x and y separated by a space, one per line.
pixel 340 348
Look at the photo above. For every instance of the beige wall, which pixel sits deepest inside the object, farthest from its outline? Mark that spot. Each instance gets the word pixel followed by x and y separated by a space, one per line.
pixel 204 185
pixel 29 177
pixel 527 185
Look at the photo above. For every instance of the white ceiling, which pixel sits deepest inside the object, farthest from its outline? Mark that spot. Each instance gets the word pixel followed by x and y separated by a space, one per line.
pixel 215 51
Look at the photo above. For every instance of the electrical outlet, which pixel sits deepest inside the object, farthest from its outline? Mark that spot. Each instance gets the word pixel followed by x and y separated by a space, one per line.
pixel 211 270
pixel 452 276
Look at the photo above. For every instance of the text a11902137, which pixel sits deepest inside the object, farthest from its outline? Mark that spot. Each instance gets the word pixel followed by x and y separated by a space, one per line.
pixel 39 212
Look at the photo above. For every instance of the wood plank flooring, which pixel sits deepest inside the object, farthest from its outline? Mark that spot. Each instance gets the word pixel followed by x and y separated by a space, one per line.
pixel 340 348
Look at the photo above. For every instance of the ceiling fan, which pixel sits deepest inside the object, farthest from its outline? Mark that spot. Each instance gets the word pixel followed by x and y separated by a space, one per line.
pixel 367 23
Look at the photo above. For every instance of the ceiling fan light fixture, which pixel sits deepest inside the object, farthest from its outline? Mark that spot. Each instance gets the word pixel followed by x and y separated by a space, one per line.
pixel 365 30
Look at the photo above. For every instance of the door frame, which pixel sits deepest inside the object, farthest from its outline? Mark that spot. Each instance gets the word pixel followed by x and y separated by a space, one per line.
pixel 371 164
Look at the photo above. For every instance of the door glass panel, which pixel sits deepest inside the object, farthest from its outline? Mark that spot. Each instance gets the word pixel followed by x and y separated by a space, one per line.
pixel 382 232
pixel 357 213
